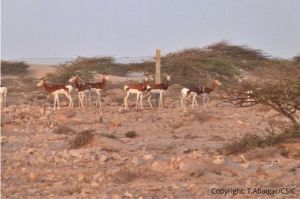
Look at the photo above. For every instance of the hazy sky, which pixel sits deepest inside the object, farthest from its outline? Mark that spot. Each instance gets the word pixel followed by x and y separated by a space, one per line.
pixel 70 28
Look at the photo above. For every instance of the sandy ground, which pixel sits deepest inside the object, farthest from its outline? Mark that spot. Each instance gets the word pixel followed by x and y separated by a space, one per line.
pixel 174 155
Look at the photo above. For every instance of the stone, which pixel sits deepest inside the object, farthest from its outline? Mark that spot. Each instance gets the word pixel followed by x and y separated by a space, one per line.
pixel 127 194
pixel 32 176
pixel 116 196
pixel 218 161
pixel 116 156
pixel 103 158
pixel 136 161
pixel 81 177
pixel 148 157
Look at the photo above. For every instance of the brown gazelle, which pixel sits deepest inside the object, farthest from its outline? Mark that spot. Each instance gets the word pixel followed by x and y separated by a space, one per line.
pixel 57 90
pixel 139 89
pixel 81 88
pixel 98 87
pixel 194 91
pixel 159 89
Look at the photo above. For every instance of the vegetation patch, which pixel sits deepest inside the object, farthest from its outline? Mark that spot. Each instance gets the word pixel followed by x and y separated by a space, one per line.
pixel 13 68
pixel 131 134
pixel 253 141
pixel 81 139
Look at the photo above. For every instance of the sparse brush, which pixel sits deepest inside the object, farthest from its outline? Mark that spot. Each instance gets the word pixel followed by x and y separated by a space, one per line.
pixel 13 68
pixel 81 139
pixel 130 134
pixel 253 141
pixel 125 175
pixel 63 130
pixel 108 135
pixel 201 117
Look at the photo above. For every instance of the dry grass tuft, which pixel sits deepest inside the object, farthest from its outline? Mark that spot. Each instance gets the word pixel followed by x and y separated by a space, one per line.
pixel 202 117
pixel 63 130
pixel 253 141
pixel 111 136
pixel 131 134
pixel 81 139
pixel 126 174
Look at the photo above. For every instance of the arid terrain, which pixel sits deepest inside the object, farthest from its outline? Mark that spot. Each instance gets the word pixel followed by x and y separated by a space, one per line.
pixel 170 154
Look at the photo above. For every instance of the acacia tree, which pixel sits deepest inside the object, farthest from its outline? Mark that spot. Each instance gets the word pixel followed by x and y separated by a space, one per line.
pixel 275 86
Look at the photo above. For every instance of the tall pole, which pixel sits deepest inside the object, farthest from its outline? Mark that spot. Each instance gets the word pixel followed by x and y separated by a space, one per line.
pixel 157 67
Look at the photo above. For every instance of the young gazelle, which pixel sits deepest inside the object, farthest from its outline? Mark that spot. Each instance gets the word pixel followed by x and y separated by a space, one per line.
pixel 159 89
pixel 57 90
pixel 139 89
pixel 195 91
pixel 98 87
pixel 3 92
pixel 81 88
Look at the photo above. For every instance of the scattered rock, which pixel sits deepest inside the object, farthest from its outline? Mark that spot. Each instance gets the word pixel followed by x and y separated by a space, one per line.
pixel 127 194
pixel 148 157
pixel 103 158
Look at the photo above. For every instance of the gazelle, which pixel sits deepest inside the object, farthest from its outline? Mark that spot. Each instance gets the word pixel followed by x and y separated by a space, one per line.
pixel 3 92
pixel 195 91
pixel 57 90
pixel 98 87
pixel 139 89
pixel 81 88
pixel 159 89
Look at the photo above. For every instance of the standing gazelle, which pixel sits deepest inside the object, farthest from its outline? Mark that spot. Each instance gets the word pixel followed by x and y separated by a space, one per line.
pixel 139 89
pixel 195 91
pixel 98 87
pixel 57 90
pixel 159 89
pixel 3 92
pixel 81 88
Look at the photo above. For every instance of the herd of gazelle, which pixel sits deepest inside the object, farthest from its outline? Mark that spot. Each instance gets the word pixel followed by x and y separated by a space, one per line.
pixel 142 90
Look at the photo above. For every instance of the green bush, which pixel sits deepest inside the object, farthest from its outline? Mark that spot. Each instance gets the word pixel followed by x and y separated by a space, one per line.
pixel 13 68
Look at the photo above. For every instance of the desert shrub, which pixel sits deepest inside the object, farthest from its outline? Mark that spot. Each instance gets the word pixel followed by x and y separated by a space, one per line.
pixel 111 136
pixel 126 174
pixel 13 68
pixel 250 141
pixel 86 68
pixel 81 139
pixel 130 134
pixel 63 130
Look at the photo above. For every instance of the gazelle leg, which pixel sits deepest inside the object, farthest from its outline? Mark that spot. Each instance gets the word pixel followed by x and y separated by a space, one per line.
pixel 126 101
pixel 160 100
pixel 79 100
pixel 83 99
pixel 184 109
pixel 69 98
pixel 196 102
pixel 100 103
pixel 181 102
pixel 193 101
pixel 137 101
pixel 4 103
pixel 204 102
pixel 90 102
pixel 58 102
pixel 54 102
pixel 149 100
pixel 141 101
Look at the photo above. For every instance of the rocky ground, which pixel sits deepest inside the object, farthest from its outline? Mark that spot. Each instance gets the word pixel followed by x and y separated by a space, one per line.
pixel 172 155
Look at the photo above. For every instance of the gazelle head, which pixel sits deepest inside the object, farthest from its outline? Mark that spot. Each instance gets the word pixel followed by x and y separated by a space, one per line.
pixel 217 82
pixel 168 77
pixel 106 76
pixel 41 82
pixel 148 76
pixel 73 79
